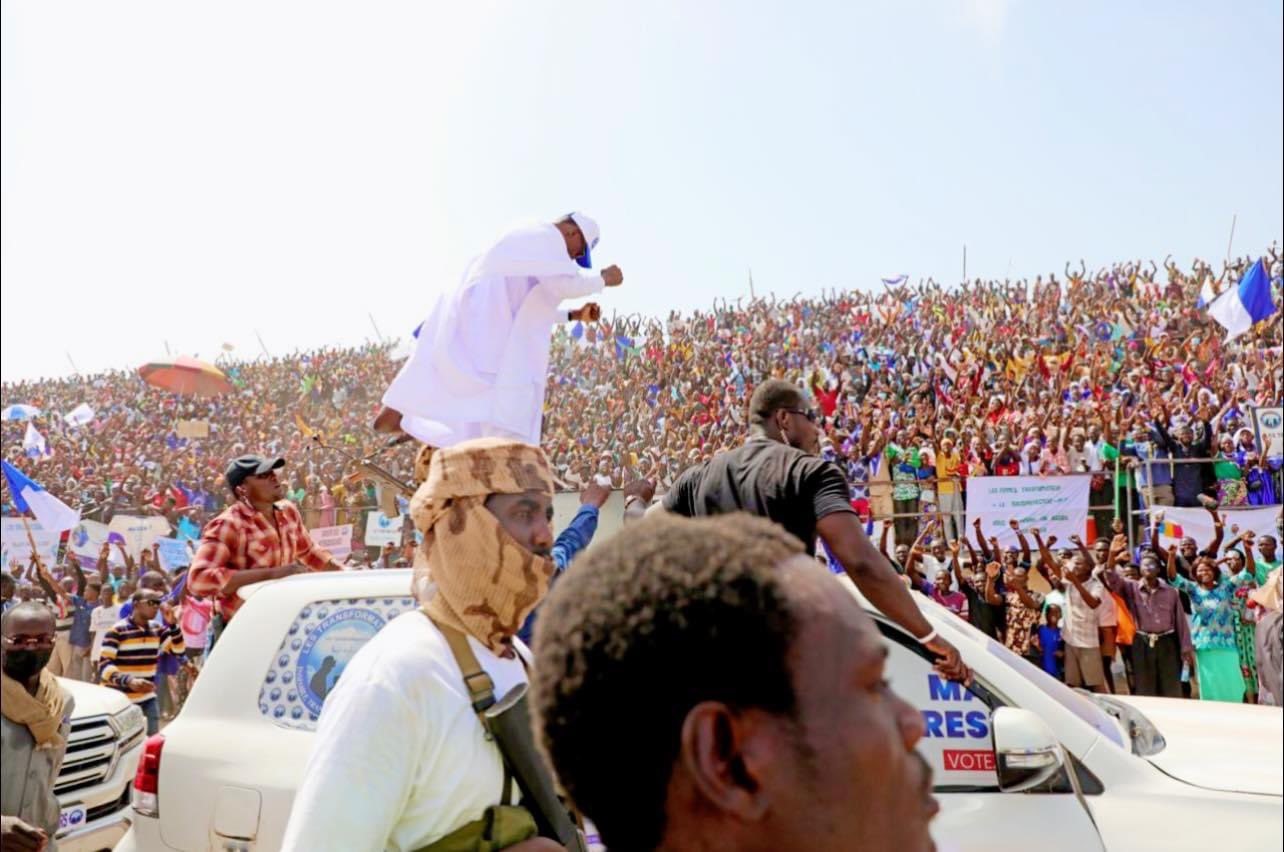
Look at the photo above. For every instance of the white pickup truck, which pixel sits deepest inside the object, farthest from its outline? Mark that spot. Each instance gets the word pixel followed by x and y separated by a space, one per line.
pixel 1021 760
pixel 94 784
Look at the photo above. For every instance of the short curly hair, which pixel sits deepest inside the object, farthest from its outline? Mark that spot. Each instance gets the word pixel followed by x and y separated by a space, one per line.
pixel 668 613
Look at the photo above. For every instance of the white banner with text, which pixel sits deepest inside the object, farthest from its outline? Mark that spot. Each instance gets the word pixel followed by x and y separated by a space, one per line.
pixel 1055 505
pixel 337 540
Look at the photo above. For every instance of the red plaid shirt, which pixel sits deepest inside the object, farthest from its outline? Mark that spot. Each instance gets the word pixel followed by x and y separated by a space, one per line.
pixel 241 539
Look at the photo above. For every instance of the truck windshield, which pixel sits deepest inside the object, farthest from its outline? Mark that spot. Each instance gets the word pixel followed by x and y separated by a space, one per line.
pixel 1080 705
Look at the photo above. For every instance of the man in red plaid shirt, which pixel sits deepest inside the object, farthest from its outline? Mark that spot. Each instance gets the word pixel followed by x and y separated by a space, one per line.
pixel 259 537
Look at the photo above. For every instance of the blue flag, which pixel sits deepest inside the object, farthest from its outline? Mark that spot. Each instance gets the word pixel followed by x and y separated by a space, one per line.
pixel 1249 302
pixel 30 496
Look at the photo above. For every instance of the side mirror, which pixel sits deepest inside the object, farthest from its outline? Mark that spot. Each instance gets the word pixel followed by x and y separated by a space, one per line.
pixel 1026 752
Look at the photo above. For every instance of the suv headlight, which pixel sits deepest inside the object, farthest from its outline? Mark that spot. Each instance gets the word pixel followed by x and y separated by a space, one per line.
pixel 130 723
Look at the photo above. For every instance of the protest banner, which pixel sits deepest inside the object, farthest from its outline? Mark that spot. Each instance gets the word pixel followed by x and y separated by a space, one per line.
pixel 193 428
pixel 138 532
pixel 1177 523
pixel 381 530
pixel 337 540
pixel 17 548
pixel 1055 505
pixel 187 528
pixel 1269 424
pixel 173 553
pixel 86 540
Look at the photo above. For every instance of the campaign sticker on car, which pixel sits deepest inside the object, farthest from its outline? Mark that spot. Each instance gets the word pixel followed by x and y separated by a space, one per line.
pixel 320 642
pixel 71 818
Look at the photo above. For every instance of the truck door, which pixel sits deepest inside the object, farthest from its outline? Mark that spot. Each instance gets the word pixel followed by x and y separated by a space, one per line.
pixel 975 813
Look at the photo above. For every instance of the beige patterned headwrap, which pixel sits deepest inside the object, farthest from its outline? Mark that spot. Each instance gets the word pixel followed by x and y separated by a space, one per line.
pixel 469 572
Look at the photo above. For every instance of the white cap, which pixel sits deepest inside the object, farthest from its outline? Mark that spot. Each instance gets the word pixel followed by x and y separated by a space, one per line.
pixel 591 233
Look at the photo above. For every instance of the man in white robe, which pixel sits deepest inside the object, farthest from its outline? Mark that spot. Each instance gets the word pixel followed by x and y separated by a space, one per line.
pixel 480 365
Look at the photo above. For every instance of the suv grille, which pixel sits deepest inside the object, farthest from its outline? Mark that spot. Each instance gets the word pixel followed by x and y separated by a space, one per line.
pixel 91 752
pixel 109 808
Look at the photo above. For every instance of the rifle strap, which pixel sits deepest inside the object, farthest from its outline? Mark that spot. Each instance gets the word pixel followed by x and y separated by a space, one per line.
pixel 481 689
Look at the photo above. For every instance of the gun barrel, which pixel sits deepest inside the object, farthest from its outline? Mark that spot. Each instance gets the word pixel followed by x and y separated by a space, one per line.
pixel 510 723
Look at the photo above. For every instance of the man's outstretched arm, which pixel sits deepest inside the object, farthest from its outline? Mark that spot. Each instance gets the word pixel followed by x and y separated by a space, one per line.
pixel 879 582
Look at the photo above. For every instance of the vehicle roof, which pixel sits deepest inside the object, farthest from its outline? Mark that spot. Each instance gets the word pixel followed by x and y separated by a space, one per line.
pixel 385 581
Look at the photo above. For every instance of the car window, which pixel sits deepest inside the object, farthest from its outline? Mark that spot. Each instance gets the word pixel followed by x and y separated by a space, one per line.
pixel 956 719
pixel 320 641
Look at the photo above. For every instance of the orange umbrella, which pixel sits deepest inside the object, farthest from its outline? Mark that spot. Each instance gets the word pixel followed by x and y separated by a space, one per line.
pixel 186 376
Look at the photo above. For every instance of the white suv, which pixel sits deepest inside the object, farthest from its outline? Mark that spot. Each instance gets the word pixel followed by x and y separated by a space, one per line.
pixel 93 786
pixel 1020 759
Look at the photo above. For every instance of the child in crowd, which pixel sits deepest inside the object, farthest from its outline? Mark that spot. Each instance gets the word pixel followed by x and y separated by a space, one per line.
pixel 1047 639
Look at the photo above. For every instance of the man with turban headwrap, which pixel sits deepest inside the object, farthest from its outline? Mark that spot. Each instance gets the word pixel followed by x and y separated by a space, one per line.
pixel 401 759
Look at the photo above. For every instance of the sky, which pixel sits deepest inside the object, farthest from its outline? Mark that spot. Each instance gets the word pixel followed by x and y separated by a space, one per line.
pixel 276 176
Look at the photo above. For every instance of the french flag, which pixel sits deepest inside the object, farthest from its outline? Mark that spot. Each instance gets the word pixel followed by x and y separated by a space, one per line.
pixel 29 496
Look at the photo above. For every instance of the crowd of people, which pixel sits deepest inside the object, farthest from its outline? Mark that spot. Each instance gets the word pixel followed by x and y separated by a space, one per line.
pixel 921 386
pixel 131 459
pixel 908 392
pixel 1114 373
pixel 1178 620
pixel 994 366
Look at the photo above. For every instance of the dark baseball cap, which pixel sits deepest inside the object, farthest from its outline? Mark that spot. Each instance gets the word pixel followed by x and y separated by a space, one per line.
pixel 242 466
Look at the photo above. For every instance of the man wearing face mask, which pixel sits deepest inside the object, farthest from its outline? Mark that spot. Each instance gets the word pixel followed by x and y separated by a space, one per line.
pixel 33 731
pixel 261 536
pixel 778 474
pixel 401 723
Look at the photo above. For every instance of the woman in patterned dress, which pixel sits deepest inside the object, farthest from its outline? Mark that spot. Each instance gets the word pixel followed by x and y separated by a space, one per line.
pixel 1245 611
pixel 1025 611
pixel 1231 490
pixel 1212 627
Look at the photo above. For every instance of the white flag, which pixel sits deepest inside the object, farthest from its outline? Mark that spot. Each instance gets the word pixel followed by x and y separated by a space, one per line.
pixel 34 445
pixel 81 415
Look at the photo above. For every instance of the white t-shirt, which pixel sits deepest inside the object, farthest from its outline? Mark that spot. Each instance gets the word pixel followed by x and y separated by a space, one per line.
pixel 1089 457
pixel 930 565
pixel 400 759
pixel 100 621
pixel 1079 628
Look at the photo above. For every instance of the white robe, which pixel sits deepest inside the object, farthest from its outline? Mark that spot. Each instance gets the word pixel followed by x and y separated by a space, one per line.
pixel 480 365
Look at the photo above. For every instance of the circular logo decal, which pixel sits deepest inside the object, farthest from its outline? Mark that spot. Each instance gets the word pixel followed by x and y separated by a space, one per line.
pixel 327 649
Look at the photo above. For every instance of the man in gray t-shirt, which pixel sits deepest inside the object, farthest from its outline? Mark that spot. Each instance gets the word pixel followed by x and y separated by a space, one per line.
pixel 33 730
